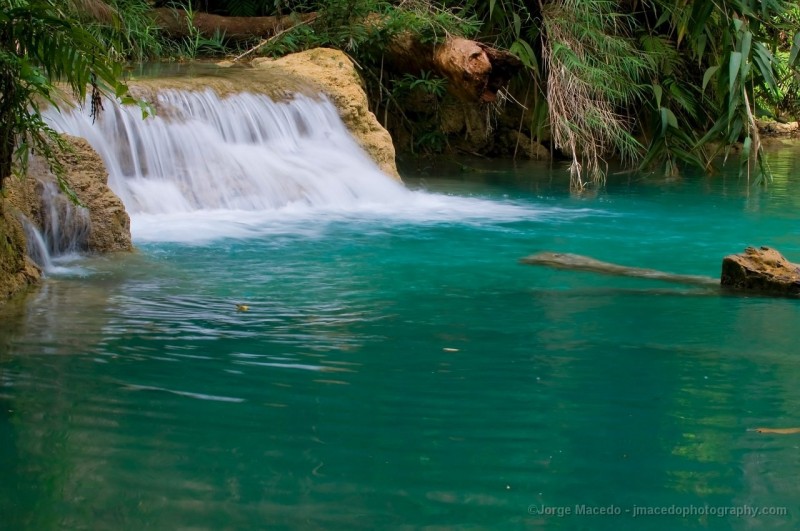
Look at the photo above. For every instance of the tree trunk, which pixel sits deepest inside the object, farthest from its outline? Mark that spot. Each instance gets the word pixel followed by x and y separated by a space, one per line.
pixel 475 71
pixel 177 24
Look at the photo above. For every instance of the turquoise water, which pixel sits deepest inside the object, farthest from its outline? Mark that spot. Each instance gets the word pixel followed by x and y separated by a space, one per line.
pixel 402 370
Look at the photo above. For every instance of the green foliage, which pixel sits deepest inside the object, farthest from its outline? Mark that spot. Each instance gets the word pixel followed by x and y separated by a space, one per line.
pixel 727 58
pixel 426 82
pixel 431 141
pixel 196 44
pixel 42 51
pixel 128 31
pixel 593 69
pixel 363 28
pixel 422 95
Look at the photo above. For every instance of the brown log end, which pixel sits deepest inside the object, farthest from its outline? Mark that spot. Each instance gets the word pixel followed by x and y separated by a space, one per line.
pixel 475 71
pixel 504 66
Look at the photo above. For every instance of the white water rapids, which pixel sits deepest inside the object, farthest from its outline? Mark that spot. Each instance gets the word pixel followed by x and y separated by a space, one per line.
pixel 207 167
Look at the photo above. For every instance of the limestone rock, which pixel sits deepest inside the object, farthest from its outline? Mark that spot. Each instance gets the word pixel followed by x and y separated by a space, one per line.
pixel 87 176
pixel 775 128
pixel 311 72
pixel 333 73
pixel 761 270
pixel 17 271
pixel 528 147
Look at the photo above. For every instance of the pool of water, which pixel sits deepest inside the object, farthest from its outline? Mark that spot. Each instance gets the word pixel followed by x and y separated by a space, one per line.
pixel 402 369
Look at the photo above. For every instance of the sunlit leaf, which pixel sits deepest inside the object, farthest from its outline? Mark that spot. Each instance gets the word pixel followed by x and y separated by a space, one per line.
pixel 710 71
pixel 657 93
pixel 733 69
pixel 795 49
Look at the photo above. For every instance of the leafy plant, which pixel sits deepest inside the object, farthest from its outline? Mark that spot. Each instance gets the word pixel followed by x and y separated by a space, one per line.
pixel 426 82
pixel 41 45
pixel 593 69
pixel 196 44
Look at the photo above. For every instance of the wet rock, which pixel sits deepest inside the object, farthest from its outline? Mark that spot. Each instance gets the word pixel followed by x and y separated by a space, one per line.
pixel 762 270
pixel 17 271
pixel 334 74
pixel 311 72
pixel 775 128
pixel 87 176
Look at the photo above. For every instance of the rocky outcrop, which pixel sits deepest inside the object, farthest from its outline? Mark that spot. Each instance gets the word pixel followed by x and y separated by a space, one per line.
pixel 86 175
pixel 780 129
pixel 762 270
pixel 333 73
pixel 320 70
pixel 109 228
pixel 17 271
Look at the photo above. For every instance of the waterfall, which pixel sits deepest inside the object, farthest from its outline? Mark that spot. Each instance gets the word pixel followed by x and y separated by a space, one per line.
pixel 243 152
pixel 64 229
pixel 207 167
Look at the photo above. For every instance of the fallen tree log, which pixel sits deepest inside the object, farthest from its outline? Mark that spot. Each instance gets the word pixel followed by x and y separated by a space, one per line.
pixel 177 24
pixel 586 263
pixel 475 71
pixel 758 271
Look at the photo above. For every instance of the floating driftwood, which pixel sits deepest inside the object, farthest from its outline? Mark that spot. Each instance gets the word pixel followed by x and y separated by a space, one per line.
pixel 585 263
pixel 763 270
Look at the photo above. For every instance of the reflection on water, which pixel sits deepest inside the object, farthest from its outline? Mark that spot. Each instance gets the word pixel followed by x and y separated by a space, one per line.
pixel 402 373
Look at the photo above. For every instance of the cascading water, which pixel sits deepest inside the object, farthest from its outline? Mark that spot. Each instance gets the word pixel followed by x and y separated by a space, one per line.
pixel 207 167
pixel 243 152
pixel 64 228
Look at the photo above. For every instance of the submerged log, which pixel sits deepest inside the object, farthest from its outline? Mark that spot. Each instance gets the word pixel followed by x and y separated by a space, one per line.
pixel 585 263
pixel 762 270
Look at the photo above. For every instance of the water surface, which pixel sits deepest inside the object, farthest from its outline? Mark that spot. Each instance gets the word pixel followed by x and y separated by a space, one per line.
pixel 396 367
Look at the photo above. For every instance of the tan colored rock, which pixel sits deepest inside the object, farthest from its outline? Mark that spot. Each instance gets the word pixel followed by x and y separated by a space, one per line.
pixel 87 176
pixel 17 271
pixel 320 70
pixel 762 270
pixel 774 128
pixel 334 74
